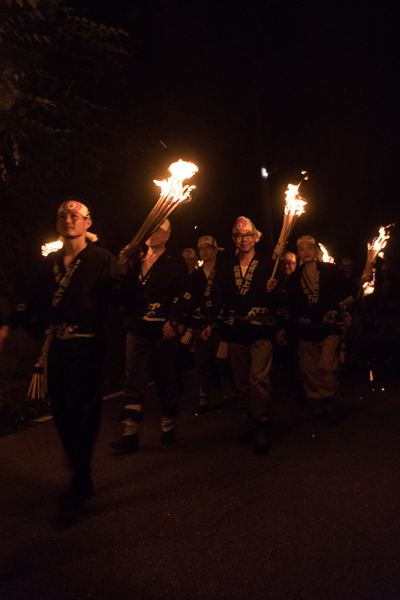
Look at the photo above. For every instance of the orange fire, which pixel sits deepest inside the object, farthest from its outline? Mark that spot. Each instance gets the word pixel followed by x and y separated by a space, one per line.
pixel 325 255
pixel 172 188
pixel 380 242
pixel 51 247
pixel 294 202
pixel 294 207
pixel 368 288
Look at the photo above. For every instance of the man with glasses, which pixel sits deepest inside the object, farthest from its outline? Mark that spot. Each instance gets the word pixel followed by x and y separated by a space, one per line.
pixel 249 329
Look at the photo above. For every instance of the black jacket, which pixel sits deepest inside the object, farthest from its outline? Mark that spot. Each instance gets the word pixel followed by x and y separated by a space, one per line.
pixel 250 310
pixel 79 296
pixel 315 316
pixel 162 295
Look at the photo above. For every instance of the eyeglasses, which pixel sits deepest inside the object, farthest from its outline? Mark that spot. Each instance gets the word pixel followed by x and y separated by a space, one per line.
pixel 243 236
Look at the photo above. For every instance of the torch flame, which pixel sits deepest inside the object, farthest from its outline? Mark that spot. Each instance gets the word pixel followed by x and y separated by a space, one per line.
pixel 325 255
pixel 51 247
pixel 380 242
pixel 294 202
pixel 172 188
pixel 368 288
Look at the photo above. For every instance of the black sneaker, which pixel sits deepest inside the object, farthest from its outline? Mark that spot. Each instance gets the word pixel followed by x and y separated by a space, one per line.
pixel 168 437
pixel 126 443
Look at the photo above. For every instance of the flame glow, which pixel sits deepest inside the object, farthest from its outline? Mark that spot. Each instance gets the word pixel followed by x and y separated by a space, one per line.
pixel 51 247
pixel 369 286
pixel 380 242
pixel 325 255
pixel 172 188
pixel 294 202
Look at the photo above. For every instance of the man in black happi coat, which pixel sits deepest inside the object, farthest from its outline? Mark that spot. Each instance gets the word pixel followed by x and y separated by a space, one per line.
pixel 315 291
pixel 71 297
pixel 205 351
pixel 249 328
pixel 155 294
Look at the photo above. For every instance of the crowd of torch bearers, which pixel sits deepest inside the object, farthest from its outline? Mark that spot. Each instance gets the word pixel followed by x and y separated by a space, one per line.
pixel 304 285
pixel 174 193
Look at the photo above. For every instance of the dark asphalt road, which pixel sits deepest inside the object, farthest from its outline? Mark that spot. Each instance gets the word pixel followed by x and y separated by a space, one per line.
pixel 317 518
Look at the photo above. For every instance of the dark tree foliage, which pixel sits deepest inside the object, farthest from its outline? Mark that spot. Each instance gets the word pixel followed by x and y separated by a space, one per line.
pixel 64 123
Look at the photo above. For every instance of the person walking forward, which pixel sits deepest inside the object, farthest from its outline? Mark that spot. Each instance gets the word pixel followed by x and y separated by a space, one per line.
pixel 249 328
pixel 155 295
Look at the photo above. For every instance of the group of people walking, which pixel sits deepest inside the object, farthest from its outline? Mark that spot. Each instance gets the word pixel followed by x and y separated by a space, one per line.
pixel 230 304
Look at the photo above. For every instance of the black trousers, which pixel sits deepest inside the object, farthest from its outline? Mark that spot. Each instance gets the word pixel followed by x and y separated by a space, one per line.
pixel 142 354
pixel 205 360
pixel 74 384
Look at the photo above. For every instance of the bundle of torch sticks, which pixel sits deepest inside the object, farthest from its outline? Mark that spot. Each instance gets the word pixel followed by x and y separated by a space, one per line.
pixel 367 282
pixel 294 207
pixel 173 193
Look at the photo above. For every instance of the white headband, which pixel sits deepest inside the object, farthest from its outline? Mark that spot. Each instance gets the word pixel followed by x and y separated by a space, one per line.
pixel 243 224
pixel 76 206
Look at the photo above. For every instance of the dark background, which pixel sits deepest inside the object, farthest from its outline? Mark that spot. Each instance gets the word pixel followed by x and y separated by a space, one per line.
pixel 237 86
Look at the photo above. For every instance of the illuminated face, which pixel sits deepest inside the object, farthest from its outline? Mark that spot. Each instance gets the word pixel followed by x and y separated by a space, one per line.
pixel 307 252
pixel 287 266
pixel 244 241
pixel 158 238
pixel 71 224
pixel 207 252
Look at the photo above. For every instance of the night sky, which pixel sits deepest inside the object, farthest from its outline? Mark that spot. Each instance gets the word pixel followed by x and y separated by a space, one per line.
pixel 285 85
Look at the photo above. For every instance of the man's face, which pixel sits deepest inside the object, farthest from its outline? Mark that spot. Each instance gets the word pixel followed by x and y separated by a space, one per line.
pixel 158 238
pixel 71 224
pixel 244 241
pixel 347 268
pixel 287 266
pixel 190 261
pixel 307 252
pixel 207 252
